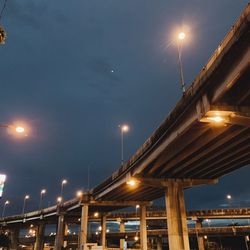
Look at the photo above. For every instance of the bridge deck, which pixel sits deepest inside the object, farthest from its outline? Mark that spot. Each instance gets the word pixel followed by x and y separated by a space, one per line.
pixel 186 147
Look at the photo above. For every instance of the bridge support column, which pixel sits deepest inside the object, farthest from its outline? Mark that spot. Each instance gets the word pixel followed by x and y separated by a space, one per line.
pixel 159 243
pixel 40 237
pixel 176 216
pixel 122 230
pixel 200 239
pixel 103 241
pixel 60 233
pixel 14 234
pixel 66 232
pixel 84 226
pixel 143 228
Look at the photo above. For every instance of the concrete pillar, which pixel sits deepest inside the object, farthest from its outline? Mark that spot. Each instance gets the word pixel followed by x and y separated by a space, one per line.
pixel 200 239
pixel 60 233
pixel 14 234
pixel 176 217
pixel 159 243
pixel 84 226
pixel 66 232
pixel 104 228
pixel 122 230
pixel 143 228
pixel 39 237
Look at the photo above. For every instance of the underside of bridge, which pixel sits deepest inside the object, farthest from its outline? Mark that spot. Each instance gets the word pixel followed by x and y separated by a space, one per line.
pixel 206 136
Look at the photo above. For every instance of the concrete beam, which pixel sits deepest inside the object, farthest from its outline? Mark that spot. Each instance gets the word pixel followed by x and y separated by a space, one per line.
pixel 165 182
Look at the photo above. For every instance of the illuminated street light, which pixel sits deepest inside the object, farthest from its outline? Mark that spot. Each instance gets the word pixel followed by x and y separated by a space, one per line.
pixel 42 193
pixel 20 130
pixel 26 197
pixel 4 207
pixel 64 182
pixel 79 193
pixel 181 37
pixel 136 238
pixel 132 182
pixel 229 197
pixel 59 199
pixel 15 129
pixel 124 129
pixel 96 214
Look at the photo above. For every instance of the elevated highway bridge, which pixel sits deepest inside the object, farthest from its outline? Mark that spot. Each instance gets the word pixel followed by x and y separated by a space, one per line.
pixel 206 136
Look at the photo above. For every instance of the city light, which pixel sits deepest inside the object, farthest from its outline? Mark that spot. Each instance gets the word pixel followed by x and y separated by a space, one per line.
pixel 96 214
pixel 229 197
pixel 136 238
pixel 7 202
pixel 137 206
pixel 26 197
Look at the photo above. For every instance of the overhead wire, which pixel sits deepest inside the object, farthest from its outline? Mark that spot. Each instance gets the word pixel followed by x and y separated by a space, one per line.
pixel 3 8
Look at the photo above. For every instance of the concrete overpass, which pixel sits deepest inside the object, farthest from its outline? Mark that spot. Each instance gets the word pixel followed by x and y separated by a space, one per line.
pixel 206 136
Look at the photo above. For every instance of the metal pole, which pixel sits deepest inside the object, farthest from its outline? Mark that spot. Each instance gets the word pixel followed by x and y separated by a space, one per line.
pixel 62 190
pixel 24 202
pixel 122 145
pixel 183 88
pixel 4 206
pixel 40 202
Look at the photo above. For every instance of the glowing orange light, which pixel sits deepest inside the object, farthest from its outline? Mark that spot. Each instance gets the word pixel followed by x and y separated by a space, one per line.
pixel 181 35
pixel 20 129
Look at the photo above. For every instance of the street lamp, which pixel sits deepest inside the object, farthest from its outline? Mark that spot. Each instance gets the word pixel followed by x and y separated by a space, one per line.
pixel 229 198
pixel 42 193
pixel 17 129
pixel 180 38
pixel 64 182
pixel 59 199
pixel 26 197
pixel 124 129
pixel 4 207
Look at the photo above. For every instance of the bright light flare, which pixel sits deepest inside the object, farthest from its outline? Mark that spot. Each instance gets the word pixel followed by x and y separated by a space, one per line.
pixel 216 119
pixel 136 238
pixel 26 197
pixel 79 193
pixel 20 129
pixel 124 128
pixel 131 183
pixel 59 199
pixel 181 35
pixel 64 182
pixel 43 191
pixel 229 197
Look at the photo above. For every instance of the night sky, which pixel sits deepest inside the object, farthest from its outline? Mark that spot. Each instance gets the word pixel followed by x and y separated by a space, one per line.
pixel 74 70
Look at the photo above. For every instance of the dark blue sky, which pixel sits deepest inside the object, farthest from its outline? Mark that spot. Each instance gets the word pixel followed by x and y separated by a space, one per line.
pixel 74 70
